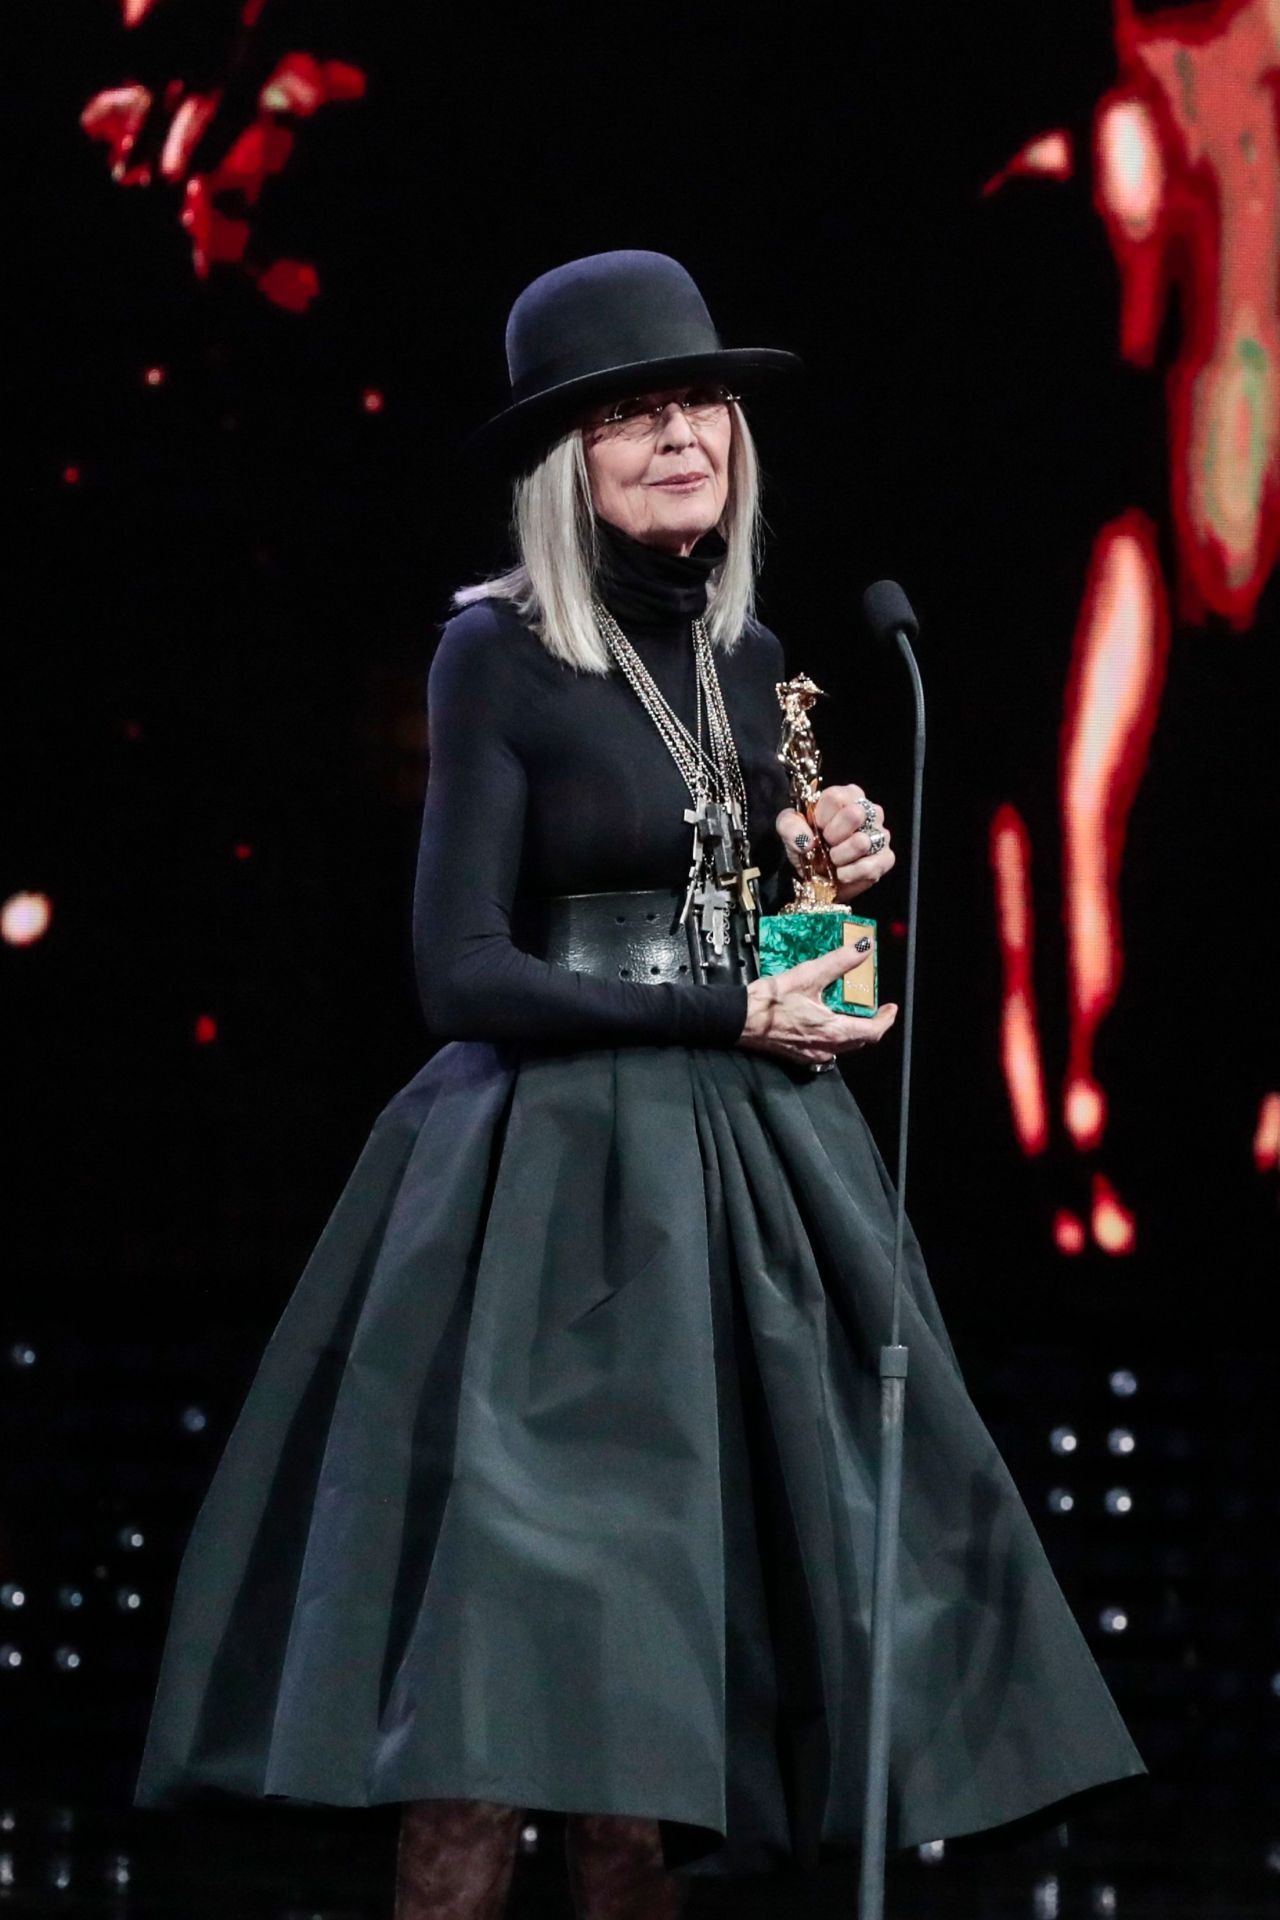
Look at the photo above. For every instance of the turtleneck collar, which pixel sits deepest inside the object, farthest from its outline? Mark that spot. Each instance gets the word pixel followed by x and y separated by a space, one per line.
pixel 649 591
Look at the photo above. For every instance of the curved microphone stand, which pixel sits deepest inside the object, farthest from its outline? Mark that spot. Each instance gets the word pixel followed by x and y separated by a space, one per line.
pixel 889 615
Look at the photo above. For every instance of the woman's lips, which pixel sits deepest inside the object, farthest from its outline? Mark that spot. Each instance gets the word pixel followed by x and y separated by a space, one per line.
pixel 681 482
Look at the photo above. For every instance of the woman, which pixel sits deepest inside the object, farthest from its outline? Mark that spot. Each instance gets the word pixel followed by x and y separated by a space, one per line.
pixel 556 1486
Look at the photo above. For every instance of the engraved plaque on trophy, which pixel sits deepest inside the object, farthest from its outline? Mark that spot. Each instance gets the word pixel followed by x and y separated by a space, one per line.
pixel 815 921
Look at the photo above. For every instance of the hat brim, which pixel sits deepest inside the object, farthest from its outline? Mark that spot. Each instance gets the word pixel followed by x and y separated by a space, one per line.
pixel 520 434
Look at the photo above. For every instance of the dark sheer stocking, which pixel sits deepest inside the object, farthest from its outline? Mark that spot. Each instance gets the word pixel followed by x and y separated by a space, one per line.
pixel 616 1870
pixel 455 1859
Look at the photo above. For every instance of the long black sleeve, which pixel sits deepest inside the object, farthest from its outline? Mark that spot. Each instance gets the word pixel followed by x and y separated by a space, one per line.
pixel 543 780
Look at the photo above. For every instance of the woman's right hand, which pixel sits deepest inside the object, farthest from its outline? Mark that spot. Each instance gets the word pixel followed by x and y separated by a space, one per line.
pixel 786 1015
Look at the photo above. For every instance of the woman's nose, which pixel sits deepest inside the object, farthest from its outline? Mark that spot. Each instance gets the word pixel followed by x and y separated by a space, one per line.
pixel 675 430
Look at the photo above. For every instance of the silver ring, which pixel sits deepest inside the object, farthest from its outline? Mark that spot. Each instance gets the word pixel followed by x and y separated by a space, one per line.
pixel 871 814
pixel 876 840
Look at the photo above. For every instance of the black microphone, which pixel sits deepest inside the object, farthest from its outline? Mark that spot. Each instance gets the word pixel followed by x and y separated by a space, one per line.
pixel 889 615
pixel 888 611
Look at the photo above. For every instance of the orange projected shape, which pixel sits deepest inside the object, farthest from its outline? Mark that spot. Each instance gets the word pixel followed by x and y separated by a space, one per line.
pixel 1051 155
pixel 1188 184
pixel 1068 1232
pixel 1113 691
pixel 1019 1034
pixel 1112 1222
pixel 1266 1138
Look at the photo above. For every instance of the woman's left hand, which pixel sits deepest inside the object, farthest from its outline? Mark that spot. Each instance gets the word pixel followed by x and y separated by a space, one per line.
pixel 854 833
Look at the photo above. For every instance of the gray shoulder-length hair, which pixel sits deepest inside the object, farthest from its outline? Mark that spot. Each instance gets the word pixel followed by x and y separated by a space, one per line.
pixel 554 531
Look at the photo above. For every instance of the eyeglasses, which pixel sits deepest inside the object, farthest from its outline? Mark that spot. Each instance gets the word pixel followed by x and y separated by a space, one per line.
pixel 639 416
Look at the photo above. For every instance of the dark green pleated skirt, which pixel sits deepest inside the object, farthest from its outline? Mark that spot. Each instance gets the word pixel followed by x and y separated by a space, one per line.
pixel 556 1486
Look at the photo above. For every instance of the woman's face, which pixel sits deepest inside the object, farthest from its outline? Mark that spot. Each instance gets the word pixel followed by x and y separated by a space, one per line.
pixel 663 479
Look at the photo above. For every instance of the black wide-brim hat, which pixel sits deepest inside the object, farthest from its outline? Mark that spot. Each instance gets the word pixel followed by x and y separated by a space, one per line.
pixel 602 328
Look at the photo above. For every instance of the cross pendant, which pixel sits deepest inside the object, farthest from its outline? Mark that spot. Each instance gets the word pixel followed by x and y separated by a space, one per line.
pixel 713 903
pixel 697 819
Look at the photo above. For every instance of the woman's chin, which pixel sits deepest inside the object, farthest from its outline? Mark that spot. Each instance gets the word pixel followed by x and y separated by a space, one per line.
pixel 681 522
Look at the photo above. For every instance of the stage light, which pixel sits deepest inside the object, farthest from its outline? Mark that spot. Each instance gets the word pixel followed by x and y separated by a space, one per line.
pixel 8 1820
pixel 1063 1440
pixel 1275 1685
pixel 58 1872
pixel 67 1660
pixel 128 1599
pixel 529 1838
pixel 154 376
pixel 1120 1441
pixel 244 851
pixel 25 918
pixel 1045 1897
pixel 1119 1500
pixel 1123 1383
pixel 1113 1620
pixel 1103 1900
pixel 10 1657
pixel 206 1030
pixel 130 1537
pixel 1271 1859
pixel 1061 1500
pixel 119 1871
pixel 372 400
pixel 70 1598
pixel 932 1851
pixel 21 1355
pixel 8 1877
pixel 71 475
pixel 193 1420
pixel 12 1595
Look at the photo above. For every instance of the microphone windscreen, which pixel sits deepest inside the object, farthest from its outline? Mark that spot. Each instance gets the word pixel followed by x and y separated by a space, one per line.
pixel 887 609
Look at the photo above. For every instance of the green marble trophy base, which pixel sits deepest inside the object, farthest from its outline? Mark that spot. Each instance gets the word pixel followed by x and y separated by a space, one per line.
pixel 788 938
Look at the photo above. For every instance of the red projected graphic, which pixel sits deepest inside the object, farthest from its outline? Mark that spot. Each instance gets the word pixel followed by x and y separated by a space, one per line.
pixel 1019 1033
pixel 1266 1138
pixel 1117 672
pixel 1187 181
pixel 242 111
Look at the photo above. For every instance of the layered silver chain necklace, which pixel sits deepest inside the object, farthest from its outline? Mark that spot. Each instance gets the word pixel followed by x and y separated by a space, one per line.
pixel 720 873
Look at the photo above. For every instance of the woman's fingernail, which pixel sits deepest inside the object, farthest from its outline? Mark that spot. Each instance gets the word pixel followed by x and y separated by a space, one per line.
pixel 802 840
pixel 863 945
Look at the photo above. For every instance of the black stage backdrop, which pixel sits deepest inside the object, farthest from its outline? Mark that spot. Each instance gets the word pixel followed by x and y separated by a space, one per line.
pixel 220 627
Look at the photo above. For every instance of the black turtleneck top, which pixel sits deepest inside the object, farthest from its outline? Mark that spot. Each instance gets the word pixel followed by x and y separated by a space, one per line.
pixel 544 780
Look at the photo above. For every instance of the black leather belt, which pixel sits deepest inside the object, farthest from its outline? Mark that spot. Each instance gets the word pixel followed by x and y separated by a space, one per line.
pixel 632 936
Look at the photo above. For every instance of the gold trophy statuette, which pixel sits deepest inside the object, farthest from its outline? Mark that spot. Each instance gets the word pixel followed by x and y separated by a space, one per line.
pixel 814 921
